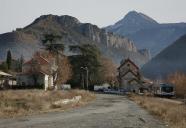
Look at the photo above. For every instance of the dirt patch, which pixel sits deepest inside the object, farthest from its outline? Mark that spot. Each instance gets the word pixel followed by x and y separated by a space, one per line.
pixel 15 103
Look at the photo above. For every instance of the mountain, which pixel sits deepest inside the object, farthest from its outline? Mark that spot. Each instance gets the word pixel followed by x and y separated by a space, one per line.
pixel 25 41
pixel 132 23
pixel 146 32
pixel 170 60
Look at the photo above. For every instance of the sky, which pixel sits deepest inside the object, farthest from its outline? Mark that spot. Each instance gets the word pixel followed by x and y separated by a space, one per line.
pixel 19 13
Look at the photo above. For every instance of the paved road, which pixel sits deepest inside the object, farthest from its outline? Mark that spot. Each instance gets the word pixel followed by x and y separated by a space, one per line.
pixel 107 111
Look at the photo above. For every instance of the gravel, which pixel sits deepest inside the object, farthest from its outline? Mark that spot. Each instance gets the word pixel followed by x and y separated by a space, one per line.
pixel 107 111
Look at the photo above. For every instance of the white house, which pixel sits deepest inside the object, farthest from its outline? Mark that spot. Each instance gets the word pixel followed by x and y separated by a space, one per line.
pixel 38 72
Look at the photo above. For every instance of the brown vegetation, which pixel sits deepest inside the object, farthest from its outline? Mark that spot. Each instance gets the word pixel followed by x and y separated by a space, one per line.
pixel 179 80
pixel 64 71
pixel 23 102
pixel 173 113
pixel 108 71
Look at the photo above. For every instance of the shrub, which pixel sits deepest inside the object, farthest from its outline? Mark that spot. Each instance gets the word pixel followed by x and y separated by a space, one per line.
pixel 23 102
pixel 179 80
pixel 173 113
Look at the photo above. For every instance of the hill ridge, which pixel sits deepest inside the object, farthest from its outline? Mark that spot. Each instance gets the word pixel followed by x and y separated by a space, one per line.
pixel 27 40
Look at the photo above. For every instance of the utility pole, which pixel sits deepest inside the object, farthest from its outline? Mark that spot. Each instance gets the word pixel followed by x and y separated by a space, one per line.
pixel 85 68
pixel 87 78
pixel 83 81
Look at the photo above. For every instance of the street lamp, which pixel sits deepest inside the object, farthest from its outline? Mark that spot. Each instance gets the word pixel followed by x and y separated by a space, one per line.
pixel 85 68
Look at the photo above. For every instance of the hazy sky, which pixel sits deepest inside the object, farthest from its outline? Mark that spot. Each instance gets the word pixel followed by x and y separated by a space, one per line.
pixel 19 13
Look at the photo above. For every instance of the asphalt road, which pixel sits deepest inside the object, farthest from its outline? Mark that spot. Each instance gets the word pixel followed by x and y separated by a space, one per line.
pixel 107 111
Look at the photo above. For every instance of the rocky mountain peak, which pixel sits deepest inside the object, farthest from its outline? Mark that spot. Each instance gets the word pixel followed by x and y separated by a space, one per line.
pixel 64 20
pixel 68 20
pixel 136 17
pixel 132 22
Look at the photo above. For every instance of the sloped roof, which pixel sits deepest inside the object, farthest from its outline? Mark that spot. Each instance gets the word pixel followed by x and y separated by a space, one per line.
pixel 4 74
pixel 130 61
pixel 39 59
pixel 40 63
pixel 130 71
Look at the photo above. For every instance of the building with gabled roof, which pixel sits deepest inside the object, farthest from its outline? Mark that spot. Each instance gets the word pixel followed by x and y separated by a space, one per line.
pixel 38 72
pixel 129 76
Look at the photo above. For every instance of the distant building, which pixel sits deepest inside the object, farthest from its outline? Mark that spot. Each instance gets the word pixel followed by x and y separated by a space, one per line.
pixel 129 76
pixel 6 80
pixel 38 72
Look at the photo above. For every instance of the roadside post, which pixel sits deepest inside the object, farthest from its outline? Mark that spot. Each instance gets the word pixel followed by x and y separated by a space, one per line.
pixel 86 69
pixel 184 100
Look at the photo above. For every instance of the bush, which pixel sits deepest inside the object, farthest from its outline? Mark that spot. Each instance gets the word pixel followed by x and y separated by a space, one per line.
pixel 179 80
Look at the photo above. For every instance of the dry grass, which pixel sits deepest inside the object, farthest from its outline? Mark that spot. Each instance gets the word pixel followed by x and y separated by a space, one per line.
pixel 24 102
pixel 178 79
pixel 174 114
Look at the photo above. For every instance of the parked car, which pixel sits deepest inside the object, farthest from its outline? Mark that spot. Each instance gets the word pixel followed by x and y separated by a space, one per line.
pixel 101 88
pixel 65 86
pixel 114 91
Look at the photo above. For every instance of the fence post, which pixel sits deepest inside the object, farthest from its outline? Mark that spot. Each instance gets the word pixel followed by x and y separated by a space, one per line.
pixel 184 100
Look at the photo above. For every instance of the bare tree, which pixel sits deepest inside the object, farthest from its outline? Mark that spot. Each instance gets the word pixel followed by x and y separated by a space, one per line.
pixel 108 71
pixel 64 71
pixel 55 47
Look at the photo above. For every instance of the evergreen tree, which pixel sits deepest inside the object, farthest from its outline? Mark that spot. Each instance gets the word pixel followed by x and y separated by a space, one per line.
pixel 52 44
pixel 88 56
pixel 21 61
pixel 9 59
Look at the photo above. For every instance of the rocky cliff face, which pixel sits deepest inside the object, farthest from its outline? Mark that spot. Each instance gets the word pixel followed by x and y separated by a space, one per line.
pixel 25 41
pixel 146 32
pixel 107 38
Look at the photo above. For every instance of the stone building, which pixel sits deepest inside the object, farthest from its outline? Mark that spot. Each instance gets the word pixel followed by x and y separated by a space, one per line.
pixel 129 76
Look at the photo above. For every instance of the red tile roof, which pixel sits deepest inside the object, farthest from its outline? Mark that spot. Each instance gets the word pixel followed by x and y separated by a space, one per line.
pixel 39 59
pixel 42 64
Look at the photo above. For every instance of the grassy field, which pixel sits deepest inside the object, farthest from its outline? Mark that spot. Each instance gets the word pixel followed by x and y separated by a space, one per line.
pixel 172 113
pixel 15 103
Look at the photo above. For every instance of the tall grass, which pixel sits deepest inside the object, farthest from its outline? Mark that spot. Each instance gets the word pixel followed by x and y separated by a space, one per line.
pixel 173 113
pixel 179 80
pixel 23 102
